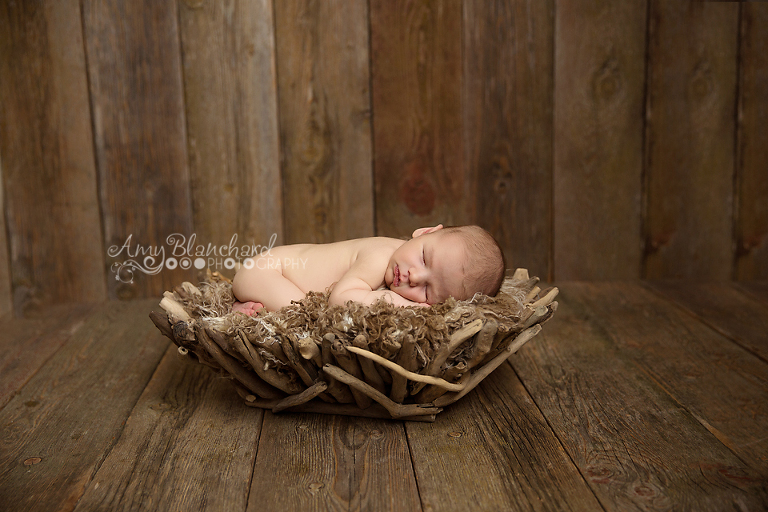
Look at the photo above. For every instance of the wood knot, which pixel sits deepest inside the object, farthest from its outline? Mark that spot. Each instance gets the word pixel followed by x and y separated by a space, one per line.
pixel 416 191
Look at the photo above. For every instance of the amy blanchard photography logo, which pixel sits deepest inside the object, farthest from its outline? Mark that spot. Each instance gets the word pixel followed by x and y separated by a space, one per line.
pixel 184 252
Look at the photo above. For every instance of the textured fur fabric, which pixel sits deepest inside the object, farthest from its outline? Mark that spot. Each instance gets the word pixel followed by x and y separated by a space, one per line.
pixel 384 325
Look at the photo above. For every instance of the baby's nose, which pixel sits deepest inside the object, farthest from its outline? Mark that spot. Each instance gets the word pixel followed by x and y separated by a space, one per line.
pixel 415 277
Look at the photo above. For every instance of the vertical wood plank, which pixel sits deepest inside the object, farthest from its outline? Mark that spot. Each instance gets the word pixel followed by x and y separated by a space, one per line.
pixel 507 118
pixel 134 69
pixel 6 305
pixel 325 119
pixel 752 170
pixel 416 87
pixel 52 210
pixel 228 53
pixel 690 139
pixel 599 92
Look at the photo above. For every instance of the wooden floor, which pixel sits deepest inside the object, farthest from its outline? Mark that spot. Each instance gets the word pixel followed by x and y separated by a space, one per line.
pixel 634 397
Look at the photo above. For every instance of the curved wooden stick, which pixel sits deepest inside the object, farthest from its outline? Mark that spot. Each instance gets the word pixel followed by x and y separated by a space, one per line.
pixel 486 369
pixel 546 299
pixel 281 381
pixel 235 368
pixel 303 397
pixel 416 377
pixel 395 409
pixel 455 341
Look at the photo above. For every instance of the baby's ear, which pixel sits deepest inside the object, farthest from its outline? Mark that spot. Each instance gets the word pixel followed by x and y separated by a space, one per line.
pixel 424 231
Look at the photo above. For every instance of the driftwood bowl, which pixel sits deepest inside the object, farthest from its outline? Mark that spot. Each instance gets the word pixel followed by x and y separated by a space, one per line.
pixel 378 361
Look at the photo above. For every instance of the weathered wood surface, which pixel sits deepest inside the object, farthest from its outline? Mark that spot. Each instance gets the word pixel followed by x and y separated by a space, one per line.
pixel 28 343
pixel 416 69
pixel 135 78
pixel 323 462
pixel 598 138
pixel 6 305
pixel 719 383
pixel 757 289
pixel 188 445
pixel 325 119
pixel 500 438
pixel 52 214
pixel 630 398
pixel 690 127
pixel 726 309
pixel 751 237
pixel 57 429
pixel 507 102
pixel 230 87
pixel 610 375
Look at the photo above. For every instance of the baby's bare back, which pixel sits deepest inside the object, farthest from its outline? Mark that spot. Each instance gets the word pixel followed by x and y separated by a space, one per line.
pixel 316 267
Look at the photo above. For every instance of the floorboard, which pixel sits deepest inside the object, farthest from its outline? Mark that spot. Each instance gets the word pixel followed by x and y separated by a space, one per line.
pixel 27 343
pixel 56 431
pixel 725 308
pixel 758 289
pixel 724 386
pixel 324 462
pixel 649 396
pixel 637 446
pixel 493 450
pixel 189 444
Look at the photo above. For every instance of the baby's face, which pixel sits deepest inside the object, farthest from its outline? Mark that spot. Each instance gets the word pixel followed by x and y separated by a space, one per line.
pixel 428 268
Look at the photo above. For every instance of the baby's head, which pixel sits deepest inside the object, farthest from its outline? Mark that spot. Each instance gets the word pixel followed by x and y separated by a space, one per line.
pixel 438 263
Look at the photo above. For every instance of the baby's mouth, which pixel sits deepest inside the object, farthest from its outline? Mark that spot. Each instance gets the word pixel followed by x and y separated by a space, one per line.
pixel 396 278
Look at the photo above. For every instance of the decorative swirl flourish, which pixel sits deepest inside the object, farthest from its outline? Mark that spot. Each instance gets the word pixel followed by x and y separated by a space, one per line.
pixel 124 270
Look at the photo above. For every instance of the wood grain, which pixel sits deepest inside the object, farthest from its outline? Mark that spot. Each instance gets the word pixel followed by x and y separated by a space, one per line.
pixel 6 304
pixel 752 179
pixel 65 420
pixel 28 343
pixel 719 383
pixel 690 136
pixel 416 69
pixel 187 422
pixel 475 455
pixel 507 102
pixel 598 138
pixel 230 87
pixel 325 119
pixel 324 462
pixel 757 289
pixel 726 309
pixel 51 205
pixel 607 372
pixel 137 96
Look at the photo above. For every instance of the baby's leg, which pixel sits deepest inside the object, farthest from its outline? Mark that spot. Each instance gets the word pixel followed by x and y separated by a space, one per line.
pixel 266 286
pixel 247 308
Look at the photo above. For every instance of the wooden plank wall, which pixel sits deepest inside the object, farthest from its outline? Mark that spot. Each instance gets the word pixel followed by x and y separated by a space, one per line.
pixel 595 140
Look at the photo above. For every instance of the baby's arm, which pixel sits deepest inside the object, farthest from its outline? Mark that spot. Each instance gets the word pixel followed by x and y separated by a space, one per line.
pixel 265 285
pixel 356 286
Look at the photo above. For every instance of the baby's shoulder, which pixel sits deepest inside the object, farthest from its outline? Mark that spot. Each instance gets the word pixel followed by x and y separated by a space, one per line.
pixel 377 245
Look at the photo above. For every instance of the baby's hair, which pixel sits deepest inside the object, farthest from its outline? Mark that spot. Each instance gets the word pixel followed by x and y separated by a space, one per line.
pixel 485 274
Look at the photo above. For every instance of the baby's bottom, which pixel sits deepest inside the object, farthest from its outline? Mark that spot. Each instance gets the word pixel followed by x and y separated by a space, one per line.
pixel 247 308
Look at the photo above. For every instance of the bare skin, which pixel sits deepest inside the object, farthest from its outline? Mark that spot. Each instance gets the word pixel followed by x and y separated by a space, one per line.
pixel 424 270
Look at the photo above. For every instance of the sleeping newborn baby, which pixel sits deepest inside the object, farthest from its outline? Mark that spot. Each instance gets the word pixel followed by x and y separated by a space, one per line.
pixel 435 264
